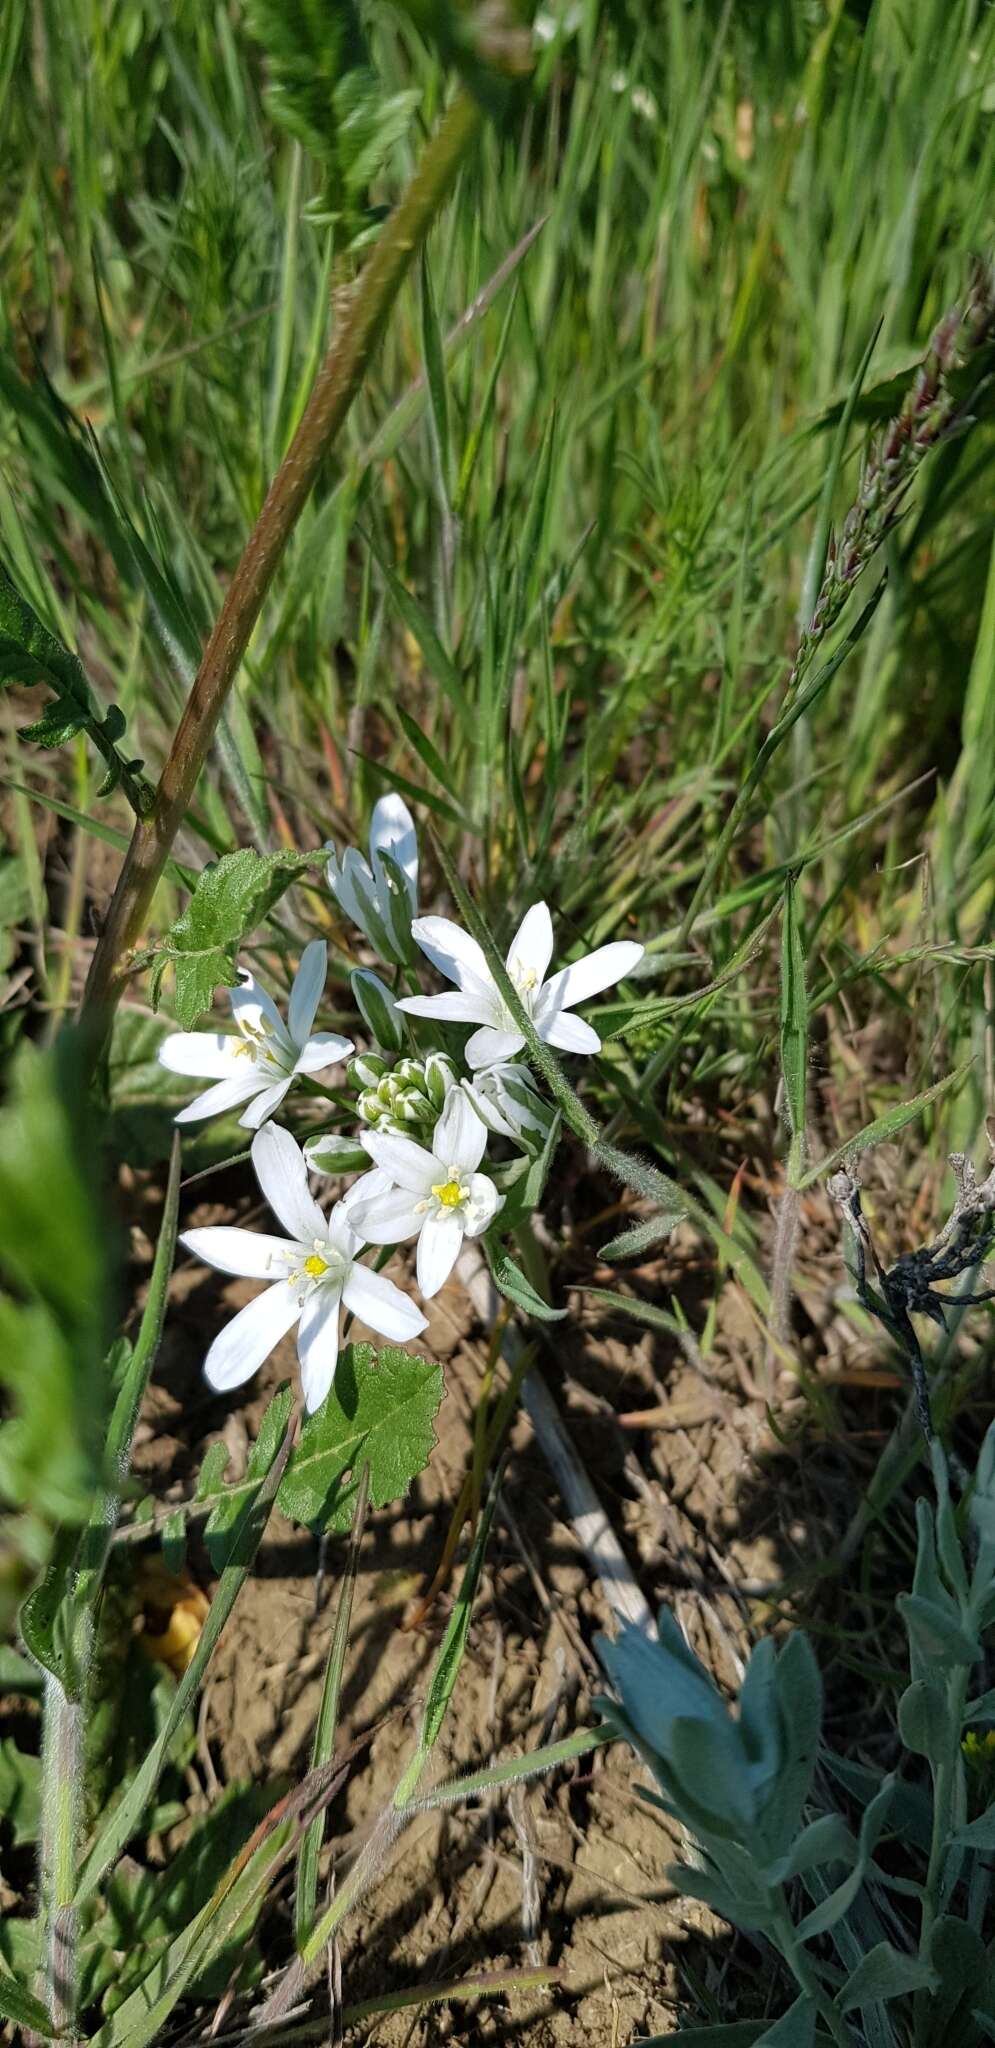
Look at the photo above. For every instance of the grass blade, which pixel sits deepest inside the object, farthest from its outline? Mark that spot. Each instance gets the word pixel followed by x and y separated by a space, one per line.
pixel 327 1721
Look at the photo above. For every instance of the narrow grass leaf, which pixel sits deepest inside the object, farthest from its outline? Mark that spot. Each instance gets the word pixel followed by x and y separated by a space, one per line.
pixel 247 1534
pixel 451 1653
pixel 513 1284
pixel 323 1746
pixel 97 1538
pixel 23 2009
pixel 887 1126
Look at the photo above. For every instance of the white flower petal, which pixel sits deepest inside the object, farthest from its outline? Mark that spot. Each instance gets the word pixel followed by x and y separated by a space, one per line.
pixel 249 1253
pixel 211 1054
pixel 264 1105
pixel 382 1306
pixel 341 884
pixel 306 992
pixel 407 1163
pixel 438 1250
pixel 482 1205
pixel 342 1235
pixel 460 1138
pixel 325 1049
pixel 389 1219
pixel 568 1032
pixel 255 1012
pixel 361 886
pixel 451 950
pixel 366 1189
pixel 489 1045
pixel 240 1348
pixel 588 977
pixel 531 949
pixel 488 1108
pixel 318 1344
pixel 280 1170
pixel 392 830
pixel 455 1007
pixel 225 1094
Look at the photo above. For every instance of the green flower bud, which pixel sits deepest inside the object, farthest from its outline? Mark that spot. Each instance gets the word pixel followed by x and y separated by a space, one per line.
pixel 334 1153
pixel 366 1071
pixel 373 999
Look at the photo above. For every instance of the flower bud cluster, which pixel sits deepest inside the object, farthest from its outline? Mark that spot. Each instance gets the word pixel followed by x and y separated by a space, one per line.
pixel 405 1097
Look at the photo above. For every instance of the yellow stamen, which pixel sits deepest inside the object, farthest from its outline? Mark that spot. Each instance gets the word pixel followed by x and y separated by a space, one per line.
pixel 449 1193
pixel 315 1266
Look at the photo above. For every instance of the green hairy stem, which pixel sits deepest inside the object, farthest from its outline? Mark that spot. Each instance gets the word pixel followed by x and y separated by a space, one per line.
pixel 63 1781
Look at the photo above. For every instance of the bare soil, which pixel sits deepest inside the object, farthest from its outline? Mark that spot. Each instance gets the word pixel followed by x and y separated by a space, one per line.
pixel 570 1873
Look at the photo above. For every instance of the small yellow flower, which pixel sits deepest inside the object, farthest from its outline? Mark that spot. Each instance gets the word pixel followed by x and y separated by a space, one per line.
pixel 979 1750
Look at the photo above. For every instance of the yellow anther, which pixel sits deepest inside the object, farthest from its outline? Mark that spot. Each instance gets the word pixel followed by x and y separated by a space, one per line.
pixel 315 1266
pixel 449 1193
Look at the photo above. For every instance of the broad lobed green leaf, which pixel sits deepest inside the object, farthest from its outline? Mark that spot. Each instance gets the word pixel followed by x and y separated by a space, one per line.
pixel 380 1411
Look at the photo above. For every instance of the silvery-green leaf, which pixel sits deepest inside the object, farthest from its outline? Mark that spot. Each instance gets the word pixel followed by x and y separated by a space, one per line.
pixel 799 1699
pixel 981 1709
pixel 926 1581
pixel 751 1914
pixel 657 1681
pixel 826 1840
pixel 935 1634
pixel 948 1542
pixel 831 1910
pixel 960 1959
pixel 984 1478
pixel 795 2028
pixel 980 1833
pixel 886 1972
pixel 923 1720
pixel 707 1757
pixel 727 2034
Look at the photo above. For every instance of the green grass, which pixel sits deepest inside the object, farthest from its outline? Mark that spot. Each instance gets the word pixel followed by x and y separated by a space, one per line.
pixel 558 590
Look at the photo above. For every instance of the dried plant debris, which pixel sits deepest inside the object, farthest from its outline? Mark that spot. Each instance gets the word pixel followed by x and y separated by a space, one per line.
pixel 909 1287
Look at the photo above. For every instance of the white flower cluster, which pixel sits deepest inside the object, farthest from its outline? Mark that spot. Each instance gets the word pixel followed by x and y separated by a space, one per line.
pixel 425 1124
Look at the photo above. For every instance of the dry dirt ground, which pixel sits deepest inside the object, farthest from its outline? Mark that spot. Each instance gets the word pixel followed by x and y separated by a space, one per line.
pixel 571 1872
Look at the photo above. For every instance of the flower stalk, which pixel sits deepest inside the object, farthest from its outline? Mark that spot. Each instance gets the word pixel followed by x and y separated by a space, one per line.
pixel 62 1769
pixel 336 386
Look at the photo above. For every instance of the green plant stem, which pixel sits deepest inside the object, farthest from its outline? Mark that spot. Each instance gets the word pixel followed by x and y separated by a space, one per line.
pixel 944 1780
pixel 804 1975
pixel 62 1775
pixel 335 387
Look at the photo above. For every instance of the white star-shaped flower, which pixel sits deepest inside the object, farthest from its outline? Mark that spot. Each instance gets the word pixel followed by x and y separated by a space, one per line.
pixel 477 1000
pixel 262 1058
pixel 438 1196
pixel 379 905
pixel 313 1272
